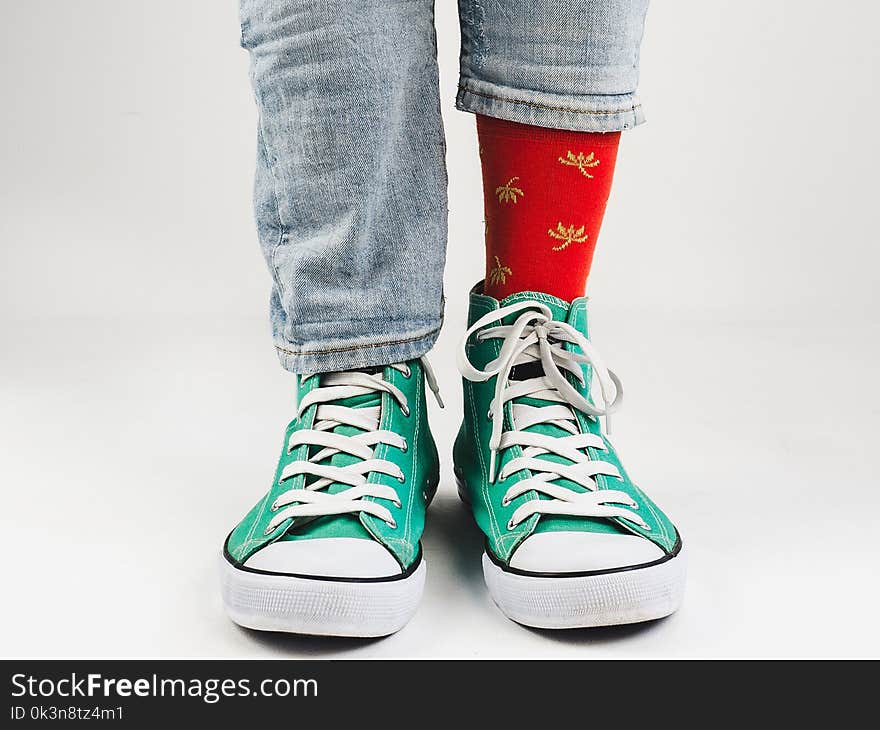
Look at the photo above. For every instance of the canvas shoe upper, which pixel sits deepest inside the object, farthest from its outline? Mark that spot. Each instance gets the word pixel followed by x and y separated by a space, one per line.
pixel 559 511
pixel 344 515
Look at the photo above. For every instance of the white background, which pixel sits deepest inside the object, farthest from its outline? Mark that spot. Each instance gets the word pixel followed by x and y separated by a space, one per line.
pixel 734 290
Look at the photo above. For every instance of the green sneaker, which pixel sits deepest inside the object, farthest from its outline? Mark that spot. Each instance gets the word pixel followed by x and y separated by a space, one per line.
pixel 333 548
pixel 571 541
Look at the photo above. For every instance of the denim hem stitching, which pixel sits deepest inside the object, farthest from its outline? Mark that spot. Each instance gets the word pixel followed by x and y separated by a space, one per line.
pixel 623 110
pixel 364 346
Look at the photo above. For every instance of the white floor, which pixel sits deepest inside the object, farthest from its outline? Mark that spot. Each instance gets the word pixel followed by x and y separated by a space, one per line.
pixel 128 452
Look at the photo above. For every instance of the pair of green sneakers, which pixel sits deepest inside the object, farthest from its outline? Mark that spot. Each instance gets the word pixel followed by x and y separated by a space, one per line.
pixel 571 541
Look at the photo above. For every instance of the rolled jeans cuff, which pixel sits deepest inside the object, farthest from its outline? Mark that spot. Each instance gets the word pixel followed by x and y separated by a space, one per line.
pixel 331 352
pixel 587 113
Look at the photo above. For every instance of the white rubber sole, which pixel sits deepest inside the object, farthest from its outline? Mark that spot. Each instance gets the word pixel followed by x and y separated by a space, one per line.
pixel 320 607
pixel 603 599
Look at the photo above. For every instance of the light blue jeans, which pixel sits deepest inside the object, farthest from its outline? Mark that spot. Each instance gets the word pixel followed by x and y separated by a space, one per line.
pixel 350 189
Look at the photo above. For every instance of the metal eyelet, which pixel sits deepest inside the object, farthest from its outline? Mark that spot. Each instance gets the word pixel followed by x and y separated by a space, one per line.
pixel 405 446
pixel 405 410
pixel 401 478
pixel 273 507
pixel 407 373
pixel 510 525
pixel 268 531
pixel 505 502
pixel 392 524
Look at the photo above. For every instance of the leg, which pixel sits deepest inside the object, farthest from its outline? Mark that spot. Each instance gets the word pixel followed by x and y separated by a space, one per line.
pixel 351 211
pixel 571 540
pixel 350 187
pixel 565 64
pixel 553 83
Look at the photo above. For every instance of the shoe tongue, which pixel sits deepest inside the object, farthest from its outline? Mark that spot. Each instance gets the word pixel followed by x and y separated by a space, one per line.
pixel 560 310
pixel 366 400
pixel 527 371
pixel 360 401
pixel 371 370
pixel 348 524
pixel 533 370
pixel 559 307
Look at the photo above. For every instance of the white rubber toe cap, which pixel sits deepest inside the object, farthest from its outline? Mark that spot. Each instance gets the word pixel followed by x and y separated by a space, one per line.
pixel 576 552
pixel 330 557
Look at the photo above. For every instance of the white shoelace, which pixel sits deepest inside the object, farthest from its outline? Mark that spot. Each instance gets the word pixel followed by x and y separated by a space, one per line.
pixel 536 337
pixel 310 501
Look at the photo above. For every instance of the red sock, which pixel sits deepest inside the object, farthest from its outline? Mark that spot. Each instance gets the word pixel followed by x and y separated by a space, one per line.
pixel 545 192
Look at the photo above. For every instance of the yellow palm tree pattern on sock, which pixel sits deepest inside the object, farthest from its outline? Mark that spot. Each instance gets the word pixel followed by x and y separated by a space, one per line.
pixel 499 273
pixel 581 161
pixel 567 235
pixel 508 193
